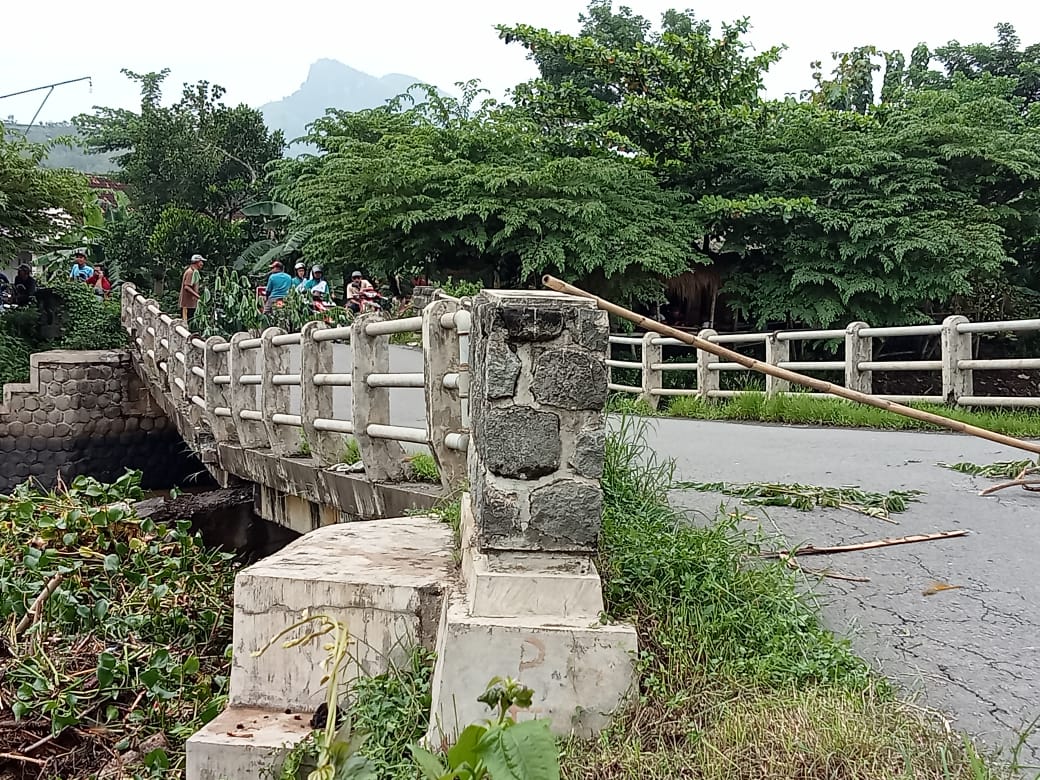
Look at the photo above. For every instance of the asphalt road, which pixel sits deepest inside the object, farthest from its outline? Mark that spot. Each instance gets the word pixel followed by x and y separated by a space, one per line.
pixel 970 652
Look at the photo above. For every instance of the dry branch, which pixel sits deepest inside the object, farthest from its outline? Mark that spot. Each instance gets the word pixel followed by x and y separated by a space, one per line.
pixel 812 550
pixel 37 606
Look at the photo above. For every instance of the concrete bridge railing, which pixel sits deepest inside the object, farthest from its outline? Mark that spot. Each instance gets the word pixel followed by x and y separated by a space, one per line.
pixel 956 362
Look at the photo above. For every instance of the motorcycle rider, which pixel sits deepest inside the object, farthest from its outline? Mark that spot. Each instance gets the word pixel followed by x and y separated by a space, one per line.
pixel 300 279
pixel 317 282
pixel 358 292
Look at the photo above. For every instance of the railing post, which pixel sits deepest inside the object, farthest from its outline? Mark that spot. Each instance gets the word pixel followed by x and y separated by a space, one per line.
pixel 858 349
pixel 126 307
pixel 163 332
pixel 318 401
pixel 956 381
pixel 177 369
pixel 707 380
pixel 194 385
pixel 777 352
pixel 443 403
pixel 383 458
pixel 218 396
pixel 275 399
pixel 149 340
pixel 652 378
pixel 251 432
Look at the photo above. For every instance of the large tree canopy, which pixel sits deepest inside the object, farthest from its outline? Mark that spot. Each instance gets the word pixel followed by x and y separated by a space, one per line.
pixel 477 192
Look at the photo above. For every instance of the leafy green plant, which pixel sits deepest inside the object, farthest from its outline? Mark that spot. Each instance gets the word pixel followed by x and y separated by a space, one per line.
pixel 119 627
pixel 351 452
pixel 1001 470
pixel 424 468
pixel 461 288
pixel 808 497
pixel 88 322
pixel 499 749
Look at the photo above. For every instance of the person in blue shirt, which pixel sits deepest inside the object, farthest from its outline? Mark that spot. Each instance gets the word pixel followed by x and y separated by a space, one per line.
pixel 279 283
pixel 80 270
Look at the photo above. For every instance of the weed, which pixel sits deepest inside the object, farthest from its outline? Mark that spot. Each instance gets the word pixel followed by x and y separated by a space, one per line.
pixel 810 409
pixel 808 497
pixel 424 468
pixel 1001 470
pixel 351 452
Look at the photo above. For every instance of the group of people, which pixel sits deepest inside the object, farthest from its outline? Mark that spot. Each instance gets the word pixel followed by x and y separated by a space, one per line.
pixel 360 294
pixel 93 276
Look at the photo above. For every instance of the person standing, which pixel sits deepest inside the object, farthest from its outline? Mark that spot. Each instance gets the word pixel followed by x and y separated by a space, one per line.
pixel 279 284
pixel 80 270
pixel 300 280
pixel 100 282
pixel 190 292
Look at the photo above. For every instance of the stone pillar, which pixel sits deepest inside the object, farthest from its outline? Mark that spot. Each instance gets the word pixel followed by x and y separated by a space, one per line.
pixel 194 385
pixel 274 398
pixel 707 380
pixel 858 349
pixel 653 378
pixel 956 381
pixel 317 401
pixel 245 407
pixel 178 367
pixel 529 598
pixel 383 458
pixel 777 352
pixel 441 357
pixel 539 385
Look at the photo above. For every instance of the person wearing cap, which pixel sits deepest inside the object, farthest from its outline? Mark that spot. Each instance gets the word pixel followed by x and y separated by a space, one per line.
pixel 279 284
pixel 356 291
pixel 300 280
pixel 190 293
pixel 317 282
pixel 80 270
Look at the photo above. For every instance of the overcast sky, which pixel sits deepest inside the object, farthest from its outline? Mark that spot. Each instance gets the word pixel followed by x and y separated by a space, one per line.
pixel 261 55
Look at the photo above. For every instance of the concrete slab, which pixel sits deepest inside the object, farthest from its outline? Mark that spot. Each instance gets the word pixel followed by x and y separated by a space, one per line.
pixel 385 580
pixel 244 742
pixel 511 584
pixel 580 670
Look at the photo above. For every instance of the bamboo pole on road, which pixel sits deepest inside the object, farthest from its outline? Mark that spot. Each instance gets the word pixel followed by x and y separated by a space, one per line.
pixel 791 376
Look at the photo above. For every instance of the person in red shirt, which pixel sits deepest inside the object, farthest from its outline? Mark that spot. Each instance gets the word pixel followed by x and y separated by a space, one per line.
pixel 100 282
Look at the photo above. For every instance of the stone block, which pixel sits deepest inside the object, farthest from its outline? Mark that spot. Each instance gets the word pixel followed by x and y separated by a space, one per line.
pixel 87 401
pixel 113 386
pixel 7 443
pixel 30 404
pixel 15 428
pixel 499 513
pixel 53 389
pixel 103 401
pixel 38 468
pixel 54 416
pixel 62 402
pixel 589 328
pixel 530 320
pixel 59 374
pixel 77 373
pixel 244 742
pixel 62 430
pixel 146 423
pixel 113 413
pixel 385 580
pixel 589 451
pixel 520 442
pixel 503 368
pixel 565 515
pixel 46 375
pixel 581 671
pixel 40 416
pixel 573 379
pixel 46 430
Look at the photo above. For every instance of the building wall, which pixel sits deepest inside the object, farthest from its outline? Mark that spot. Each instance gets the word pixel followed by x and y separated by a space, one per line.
pixel 87 413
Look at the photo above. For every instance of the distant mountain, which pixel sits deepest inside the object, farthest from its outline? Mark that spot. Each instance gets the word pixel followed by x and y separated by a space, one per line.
pixel 331 84
pixel 72 156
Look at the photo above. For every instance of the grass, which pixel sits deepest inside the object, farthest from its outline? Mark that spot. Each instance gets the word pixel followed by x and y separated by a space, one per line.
pixel 351 452
pixel 737 676
pixel 423 468
pixel 806 409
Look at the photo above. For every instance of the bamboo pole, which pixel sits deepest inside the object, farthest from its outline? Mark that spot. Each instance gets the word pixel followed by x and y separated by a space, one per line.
pixel 791 376
pixel 812 550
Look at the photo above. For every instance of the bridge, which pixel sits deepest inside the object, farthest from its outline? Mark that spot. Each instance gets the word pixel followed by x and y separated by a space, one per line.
pixel 507 395
pixel 282 410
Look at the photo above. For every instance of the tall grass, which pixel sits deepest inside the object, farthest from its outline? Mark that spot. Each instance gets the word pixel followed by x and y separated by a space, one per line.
pixel 737 677
pixel 808 409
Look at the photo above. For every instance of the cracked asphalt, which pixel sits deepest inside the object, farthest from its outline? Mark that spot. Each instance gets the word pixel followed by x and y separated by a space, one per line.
pixel 970 652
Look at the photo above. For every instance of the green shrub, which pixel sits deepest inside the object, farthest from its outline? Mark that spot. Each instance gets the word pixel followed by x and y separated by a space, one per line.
pixel 88 322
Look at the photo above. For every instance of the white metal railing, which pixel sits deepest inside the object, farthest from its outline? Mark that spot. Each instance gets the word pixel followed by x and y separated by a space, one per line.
pixel 241 389
pixel 956 364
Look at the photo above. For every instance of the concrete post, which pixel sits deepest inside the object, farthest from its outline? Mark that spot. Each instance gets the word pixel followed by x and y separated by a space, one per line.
pixel 126 307
pixel 245 408
pixel 194 385
pixel 149 340
pixel 653 378
pixel 275 399
pixel 443 404
pixel 383 458
pixel 218 396
pixel 178 370
pixel 858 349
pixel 777 352
pixel 707 380
pixel 163 334
pixel 317 401
pixel 956 381
pixel 539 385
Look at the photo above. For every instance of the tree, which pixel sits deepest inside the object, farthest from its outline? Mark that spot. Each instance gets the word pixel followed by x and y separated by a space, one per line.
pixel 198 153
pixel 37 205
pixel 475 193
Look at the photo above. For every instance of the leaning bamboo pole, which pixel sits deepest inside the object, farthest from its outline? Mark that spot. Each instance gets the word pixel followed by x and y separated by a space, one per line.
pixel 791 376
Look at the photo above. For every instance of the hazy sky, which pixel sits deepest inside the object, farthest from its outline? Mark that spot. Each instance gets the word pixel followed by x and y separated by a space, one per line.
pixel 261 55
